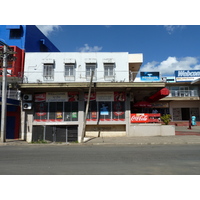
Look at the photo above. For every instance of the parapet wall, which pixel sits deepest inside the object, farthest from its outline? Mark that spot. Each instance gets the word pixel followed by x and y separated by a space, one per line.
pixel 151 130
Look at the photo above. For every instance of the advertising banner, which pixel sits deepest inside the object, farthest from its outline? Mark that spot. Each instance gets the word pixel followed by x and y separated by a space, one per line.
pixel 150 76
pixel 40 97
pixel 73 96
pixel 144 118
pixel 92 96
pixel 187 75
pixel 119 96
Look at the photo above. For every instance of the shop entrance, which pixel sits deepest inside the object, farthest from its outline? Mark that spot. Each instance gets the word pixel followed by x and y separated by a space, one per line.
pixel 55 133
pixel 185 113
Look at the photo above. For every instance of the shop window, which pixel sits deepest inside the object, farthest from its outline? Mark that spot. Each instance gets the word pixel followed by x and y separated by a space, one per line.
pixel 92 111
pixel 48 72
pixel 41 110
pixel 71 111
pixel 55 110
pixel 106 110
pixel 118 108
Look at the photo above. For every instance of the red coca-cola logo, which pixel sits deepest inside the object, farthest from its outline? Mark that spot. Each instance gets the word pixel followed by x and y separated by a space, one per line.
pixel 139 118
pixel 40 97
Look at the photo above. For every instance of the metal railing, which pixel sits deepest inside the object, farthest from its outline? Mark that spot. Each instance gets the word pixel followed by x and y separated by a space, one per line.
pixel 183 93
pixel 12 94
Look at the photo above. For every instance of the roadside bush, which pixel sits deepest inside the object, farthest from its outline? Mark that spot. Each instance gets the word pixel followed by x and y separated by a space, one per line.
pixel 166 118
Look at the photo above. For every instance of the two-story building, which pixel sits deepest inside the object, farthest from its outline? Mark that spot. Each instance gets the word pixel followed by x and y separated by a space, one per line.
pixel 56 88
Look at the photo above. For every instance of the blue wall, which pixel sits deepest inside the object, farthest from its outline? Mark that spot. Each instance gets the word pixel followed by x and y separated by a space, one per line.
pixel 31 38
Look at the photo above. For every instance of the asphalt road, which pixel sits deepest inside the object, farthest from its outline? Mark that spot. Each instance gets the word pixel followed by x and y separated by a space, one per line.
pixel 100 160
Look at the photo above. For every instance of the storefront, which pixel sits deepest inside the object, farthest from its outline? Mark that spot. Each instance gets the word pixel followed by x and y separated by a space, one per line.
pixel 57 113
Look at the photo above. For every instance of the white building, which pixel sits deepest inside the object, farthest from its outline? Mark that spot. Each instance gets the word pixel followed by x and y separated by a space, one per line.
pixel 56 88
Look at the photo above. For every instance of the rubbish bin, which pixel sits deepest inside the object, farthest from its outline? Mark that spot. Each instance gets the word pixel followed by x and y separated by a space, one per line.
pixel 194 120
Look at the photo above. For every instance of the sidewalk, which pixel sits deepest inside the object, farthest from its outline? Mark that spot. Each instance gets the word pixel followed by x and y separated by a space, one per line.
pixel 183 136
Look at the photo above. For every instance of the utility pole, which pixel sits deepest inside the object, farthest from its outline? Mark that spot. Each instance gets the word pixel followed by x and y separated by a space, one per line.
pixel 6 51
pixel 4 95
pixel 87 107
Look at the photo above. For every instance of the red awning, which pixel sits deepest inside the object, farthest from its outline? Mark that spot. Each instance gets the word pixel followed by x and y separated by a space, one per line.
pixel 159 95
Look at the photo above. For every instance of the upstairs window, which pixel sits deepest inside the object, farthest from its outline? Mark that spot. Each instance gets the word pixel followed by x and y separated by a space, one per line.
pixel 48 72
pixel 108 71
pixel 16 31
pixel 89 68
pixel 70 71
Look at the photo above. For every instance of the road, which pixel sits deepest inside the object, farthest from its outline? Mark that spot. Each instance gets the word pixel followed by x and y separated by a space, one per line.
pixel 100 160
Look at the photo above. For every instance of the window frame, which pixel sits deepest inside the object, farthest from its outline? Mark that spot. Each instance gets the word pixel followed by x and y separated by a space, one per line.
pixel 88 68
pixel 108 68
pixel 48 74
pixel 69 71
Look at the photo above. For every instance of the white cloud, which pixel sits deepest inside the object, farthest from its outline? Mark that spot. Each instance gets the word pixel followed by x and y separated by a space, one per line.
pixel 171 28
pixel 168 66
pixel 48 29
pixel 87 48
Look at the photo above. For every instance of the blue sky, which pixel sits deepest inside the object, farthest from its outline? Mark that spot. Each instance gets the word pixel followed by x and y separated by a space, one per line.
pixel 165 48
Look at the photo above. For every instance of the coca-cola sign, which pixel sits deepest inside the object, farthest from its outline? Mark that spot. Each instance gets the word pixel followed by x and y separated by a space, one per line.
pixel 145 117
pixel 40 97
pixel 139 118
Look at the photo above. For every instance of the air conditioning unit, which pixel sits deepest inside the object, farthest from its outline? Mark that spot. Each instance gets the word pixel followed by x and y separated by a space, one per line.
pixel 27 106
pixel 27 97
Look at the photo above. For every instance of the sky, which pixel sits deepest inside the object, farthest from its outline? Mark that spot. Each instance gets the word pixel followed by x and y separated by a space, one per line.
pixel 165 48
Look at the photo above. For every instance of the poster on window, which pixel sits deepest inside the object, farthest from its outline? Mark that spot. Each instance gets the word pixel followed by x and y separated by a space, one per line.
pixel 73 96
pixel 104 109
pixel 74 115
pixel 94 115
pixel 59 115
pixel 119 96
pixel 118 109
pixel 41 109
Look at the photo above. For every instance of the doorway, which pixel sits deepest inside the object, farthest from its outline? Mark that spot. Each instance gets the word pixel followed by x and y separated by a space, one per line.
pixel 185 112
pixel 57 133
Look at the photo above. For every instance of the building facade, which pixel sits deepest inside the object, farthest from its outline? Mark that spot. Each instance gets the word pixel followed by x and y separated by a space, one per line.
pixel 56 89
pixel 21 39
pixel 183 101
pixel 26 37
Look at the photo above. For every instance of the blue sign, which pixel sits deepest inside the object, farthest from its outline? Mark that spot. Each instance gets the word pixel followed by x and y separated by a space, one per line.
pixel 187 75
pixel 150 76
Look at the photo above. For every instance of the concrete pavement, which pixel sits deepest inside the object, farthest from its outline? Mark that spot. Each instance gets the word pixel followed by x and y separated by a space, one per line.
pixel 183 136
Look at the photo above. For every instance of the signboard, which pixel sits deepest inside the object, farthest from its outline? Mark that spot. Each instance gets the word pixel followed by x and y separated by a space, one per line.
pixel 40 97
pixel 73 96
pixel 119 96
pixel 149 76
pixel 56 96
pixel 92 96
pixel 105 96
pixel 187 75
pixel 145 118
